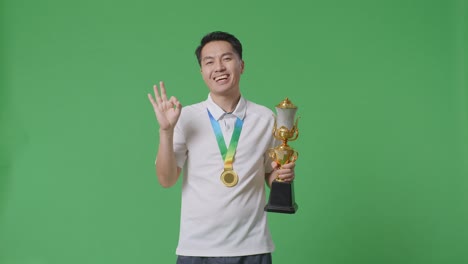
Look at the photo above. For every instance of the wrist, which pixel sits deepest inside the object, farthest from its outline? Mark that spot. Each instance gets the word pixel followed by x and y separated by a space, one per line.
pixel 166 133
pixel 273 175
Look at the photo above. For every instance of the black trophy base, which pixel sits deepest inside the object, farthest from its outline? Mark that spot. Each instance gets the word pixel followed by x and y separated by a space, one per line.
pixel 281 198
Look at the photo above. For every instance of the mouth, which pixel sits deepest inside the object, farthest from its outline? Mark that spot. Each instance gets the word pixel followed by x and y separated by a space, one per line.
pixel 221 78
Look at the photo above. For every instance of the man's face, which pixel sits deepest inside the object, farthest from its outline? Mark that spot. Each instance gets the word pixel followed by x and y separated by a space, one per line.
pixel 221 68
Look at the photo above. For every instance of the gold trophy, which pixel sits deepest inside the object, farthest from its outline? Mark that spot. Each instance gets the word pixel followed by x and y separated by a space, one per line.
pixel 285 129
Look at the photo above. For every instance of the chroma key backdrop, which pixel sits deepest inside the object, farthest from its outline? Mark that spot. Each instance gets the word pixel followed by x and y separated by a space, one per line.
pixel 381 89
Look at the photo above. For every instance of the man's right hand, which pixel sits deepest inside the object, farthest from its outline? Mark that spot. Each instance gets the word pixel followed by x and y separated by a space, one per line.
pixel 167 111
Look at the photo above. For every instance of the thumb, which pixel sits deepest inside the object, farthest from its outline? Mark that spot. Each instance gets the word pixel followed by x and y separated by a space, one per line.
pixel 274 165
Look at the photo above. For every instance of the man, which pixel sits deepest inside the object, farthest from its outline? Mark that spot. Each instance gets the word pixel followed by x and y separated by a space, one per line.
pixel 222 145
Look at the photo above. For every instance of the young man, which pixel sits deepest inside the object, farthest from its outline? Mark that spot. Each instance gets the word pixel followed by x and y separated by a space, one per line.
pixel 222 145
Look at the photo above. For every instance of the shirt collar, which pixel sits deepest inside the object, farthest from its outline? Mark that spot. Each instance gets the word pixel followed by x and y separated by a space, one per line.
pixel 218 113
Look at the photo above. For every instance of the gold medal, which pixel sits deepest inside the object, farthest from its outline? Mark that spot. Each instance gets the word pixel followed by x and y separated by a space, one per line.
pixel 229 178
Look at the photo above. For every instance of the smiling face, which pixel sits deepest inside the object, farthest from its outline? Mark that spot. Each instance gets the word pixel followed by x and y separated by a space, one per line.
pixel 221 68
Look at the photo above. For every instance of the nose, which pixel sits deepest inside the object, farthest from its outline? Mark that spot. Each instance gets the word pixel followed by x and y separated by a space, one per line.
pixel 219 66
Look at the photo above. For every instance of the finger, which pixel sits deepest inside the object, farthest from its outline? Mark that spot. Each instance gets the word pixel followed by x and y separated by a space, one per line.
pixel 285 173
pixel 150 97
pixel 163 91
pixel 178 106
pixel 282 177
pixel 155 105
pixel 156 94
pixel 283 170
pixel 173 100
pixel 290 165
pixel 286 177
pixel 168 105
pixel 175 103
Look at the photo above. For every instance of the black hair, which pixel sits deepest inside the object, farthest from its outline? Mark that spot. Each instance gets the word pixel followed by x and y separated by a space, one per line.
pixel 219 36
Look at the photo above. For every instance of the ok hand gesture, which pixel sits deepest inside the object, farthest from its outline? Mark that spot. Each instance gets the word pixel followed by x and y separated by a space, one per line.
pixel 167 111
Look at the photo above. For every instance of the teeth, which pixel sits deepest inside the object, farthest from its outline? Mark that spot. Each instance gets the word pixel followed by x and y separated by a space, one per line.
pixel 221 77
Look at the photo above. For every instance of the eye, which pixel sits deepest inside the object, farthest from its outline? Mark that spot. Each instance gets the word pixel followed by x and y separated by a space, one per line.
pixel 208 63
pixel 227 59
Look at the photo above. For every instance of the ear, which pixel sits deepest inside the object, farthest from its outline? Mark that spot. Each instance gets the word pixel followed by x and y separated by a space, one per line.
pixel 242 66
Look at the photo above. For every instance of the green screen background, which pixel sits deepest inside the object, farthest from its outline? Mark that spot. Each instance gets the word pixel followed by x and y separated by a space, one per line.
pixel 382 93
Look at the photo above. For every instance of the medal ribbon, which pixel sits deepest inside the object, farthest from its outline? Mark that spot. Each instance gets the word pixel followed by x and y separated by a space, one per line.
pixel 227 154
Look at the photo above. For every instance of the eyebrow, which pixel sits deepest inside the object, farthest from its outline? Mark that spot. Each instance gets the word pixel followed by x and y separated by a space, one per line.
pixel 222 55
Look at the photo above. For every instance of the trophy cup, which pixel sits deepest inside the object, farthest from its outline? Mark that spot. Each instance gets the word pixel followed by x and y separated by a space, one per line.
pixel 285 129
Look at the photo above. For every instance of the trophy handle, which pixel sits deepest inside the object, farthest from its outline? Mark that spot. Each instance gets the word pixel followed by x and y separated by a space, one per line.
pixel 275 130
pixel 294 156
pixel 272 154
pixel 274 127
pixel 296 130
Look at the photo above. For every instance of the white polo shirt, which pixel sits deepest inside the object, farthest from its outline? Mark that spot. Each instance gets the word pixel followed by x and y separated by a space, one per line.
pixel 217 220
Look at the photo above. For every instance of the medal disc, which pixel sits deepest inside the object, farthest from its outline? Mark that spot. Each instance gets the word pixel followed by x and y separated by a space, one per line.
pixel 229 178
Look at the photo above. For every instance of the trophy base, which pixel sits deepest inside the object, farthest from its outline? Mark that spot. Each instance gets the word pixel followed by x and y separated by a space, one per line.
pixel 281 198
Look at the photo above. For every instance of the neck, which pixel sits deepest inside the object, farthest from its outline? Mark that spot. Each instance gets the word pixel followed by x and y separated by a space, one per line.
pixel 227 103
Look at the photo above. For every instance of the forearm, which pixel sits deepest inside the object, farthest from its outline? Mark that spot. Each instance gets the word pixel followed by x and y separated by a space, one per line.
pixel 166 165
pixel 270 177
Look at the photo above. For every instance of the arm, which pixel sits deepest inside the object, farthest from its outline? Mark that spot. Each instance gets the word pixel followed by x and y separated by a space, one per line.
pixel 166 166
pixel 167 114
